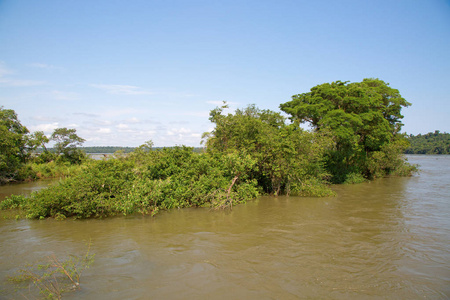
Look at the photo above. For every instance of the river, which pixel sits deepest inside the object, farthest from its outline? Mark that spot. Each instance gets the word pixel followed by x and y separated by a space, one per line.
pixel 388 239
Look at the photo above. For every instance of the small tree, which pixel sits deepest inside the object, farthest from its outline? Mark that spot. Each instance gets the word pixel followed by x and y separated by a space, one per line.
pixel 66 144
pixel 38 139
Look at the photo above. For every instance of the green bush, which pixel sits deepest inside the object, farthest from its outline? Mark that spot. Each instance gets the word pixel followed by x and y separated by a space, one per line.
pixel 311 187
pixel 144 182
pixel 354 178
pixel 14 202
pixel 54 169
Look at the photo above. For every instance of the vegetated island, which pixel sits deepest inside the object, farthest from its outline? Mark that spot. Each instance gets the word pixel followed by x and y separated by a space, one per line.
pixel 355 137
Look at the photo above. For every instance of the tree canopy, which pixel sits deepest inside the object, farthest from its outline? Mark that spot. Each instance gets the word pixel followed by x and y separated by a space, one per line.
pixel 13 143
pixel 67 141
pixel 364 119
pixel 287 159
pixel 17 145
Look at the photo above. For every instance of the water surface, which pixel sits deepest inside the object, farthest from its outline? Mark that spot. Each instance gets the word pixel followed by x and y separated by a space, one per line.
pixel 384 239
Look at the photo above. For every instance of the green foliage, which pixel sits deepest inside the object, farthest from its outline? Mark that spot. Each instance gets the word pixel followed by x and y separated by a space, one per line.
pixel 17 147
pixel 285 156
pixel 145 182
pixel 354 178
pixel 363 119
pixel 65 139
pixel 90 193
pixel 311 187
pixel 72 156
pixel 356 137
pixel 54 277
pixel 14 202
pixel 430 143
pixel 13 145
pixel 38 139
pixel 107 149
pixel 55 169
pixel 45 157
pixel 185 179
pixel 389 160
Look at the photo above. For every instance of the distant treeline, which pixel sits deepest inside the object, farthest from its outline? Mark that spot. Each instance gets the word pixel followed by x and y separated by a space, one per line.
pixel 107 149
pixel 113 149
pixel 430 143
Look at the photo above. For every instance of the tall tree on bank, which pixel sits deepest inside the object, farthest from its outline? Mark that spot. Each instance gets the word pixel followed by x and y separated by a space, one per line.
pixel 364 120
pixel 13 144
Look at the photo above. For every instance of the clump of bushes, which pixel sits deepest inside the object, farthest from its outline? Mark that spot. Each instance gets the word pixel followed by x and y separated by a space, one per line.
pixel 145 181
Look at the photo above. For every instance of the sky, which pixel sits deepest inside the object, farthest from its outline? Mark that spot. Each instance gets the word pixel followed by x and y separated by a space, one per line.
pixel 125 72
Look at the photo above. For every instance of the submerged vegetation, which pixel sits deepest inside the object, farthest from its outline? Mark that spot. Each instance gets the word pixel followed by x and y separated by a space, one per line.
pixel 355 137
pixel 54 277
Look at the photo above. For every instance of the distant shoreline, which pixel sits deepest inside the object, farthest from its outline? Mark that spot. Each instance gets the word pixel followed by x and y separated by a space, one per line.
pixel 113 149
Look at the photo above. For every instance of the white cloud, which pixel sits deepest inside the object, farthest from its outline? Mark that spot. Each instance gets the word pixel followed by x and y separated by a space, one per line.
pixel 201 114
pixel 43 66
pixel 220 103
pixel 181 122
pixel 111 113
pixel 100 122
pixel 133 120
pixel 183 136
pixel 46 119
pixel 178 131
pixel 3 70
pixel 12 82
pixel 46 128
pixel 118 89
pixel 104 130
pixel 64 96
pixel 20 82
pixel 88 115
pixel 121 127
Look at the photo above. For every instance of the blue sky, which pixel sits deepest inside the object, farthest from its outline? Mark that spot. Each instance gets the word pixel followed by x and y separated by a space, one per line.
pixel 125 72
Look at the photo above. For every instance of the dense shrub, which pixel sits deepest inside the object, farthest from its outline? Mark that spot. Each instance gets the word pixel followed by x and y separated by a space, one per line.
pixel 287 159
pixel 144 182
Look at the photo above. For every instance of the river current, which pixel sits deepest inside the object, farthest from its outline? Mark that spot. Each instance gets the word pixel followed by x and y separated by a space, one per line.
pixel 387 239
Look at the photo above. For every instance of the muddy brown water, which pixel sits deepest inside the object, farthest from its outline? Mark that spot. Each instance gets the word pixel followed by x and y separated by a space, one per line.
pixel 386 239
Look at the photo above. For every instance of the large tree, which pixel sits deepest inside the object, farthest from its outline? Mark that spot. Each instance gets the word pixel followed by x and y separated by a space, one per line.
pixel 13 144
pixel 363 118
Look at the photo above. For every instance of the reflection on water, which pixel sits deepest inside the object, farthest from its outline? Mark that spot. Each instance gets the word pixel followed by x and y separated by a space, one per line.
pixel 383 239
